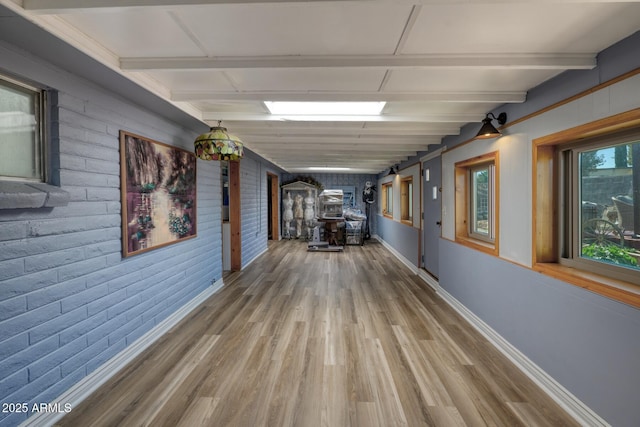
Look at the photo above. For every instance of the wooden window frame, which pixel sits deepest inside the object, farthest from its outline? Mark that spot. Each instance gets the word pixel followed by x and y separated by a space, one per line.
pixel 406 200
pixel 463 204
pixel 385 199
pixel 546 221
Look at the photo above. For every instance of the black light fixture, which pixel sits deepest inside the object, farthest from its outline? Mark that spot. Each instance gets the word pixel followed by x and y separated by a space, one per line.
pixel 392 171
pixel 487 130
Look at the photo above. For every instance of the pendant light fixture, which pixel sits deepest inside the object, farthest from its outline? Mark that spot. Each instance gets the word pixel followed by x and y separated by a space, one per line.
pixel 487 130
pixel 218 144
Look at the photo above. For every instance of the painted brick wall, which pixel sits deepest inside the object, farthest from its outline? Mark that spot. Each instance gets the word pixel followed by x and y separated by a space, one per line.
pixel 254 206
pixel 68 300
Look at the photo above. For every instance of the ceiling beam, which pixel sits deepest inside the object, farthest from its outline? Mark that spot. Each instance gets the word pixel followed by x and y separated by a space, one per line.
pixel 365 158
pixel 355 163
pixel 352 129
pixel 474 97
pixel 406 118
pixel 73 6
pixel 404 131
pixel 390 145
pixel 533 61
pixel 371 151
pixel 331 140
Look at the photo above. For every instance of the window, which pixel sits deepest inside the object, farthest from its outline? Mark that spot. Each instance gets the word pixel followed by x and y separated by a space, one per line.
pixel 387 199
pixel 21 127
pixel 598 231
pixel 406 200
pixel 24 166
pixel 477 202
pixel 481 224
pixel 582 190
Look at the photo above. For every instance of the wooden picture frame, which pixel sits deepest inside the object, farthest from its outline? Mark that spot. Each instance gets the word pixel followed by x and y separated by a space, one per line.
pixel 158 193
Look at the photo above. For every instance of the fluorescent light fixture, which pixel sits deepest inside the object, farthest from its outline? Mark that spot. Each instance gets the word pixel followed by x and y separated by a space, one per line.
pixel 327 168
pixel 325 108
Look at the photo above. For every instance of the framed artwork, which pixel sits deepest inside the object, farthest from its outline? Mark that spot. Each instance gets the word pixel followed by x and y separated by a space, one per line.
pixel 158 186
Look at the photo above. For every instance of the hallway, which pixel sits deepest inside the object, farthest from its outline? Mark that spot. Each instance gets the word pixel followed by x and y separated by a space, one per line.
pixel 321 339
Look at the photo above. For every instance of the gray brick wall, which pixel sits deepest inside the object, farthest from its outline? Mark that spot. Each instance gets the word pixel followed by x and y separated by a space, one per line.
pixel 68 300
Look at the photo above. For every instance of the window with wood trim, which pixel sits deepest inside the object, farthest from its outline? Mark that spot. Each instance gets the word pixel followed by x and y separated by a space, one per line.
pixel 598 181
pixel 406 200
pixel 584 185
pixel 477 202
pixel 387 199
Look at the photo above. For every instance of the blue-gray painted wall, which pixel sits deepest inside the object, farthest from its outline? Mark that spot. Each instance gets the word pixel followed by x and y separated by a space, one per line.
pixel 402 237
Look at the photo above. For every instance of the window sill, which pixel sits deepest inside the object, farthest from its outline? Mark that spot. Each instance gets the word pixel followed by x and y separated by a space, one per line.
pixel 605 286
pixel 31 195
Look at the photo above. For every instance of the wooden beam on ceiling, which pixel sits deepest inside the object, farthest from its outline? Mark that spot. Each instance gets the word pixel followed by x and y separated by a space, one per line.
pixel 417 118
pixel 327 96
pixel 74 6
pixel 531 61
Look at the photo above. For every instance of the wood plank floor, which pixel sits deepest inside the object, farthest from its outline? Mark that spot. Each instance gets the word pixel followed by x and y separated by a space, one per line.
pixel 321 339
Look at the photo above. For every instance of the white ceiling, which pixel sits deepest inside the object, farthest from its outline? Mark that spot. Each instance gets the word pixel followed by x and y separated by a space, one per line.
pixel 439 64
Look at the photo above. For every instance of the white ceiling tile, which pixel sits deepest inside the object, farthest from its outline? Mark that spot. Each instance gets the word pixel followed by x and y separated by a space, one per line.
pixel 521 27
pixel 296 29
pixel 193 80
pixel 404 108
pixel 134 32
pixel 466 80
pixel 308 79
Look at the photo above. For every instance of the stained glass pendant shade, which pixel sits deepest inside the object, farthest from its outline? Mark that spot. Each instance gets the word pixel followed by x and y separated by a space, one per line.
pixel 218 144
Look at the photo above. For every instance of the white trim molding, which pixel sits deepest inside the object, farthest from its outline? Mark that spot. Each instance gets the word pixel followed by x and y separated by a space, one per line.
pixel 429 279
pixel 81 390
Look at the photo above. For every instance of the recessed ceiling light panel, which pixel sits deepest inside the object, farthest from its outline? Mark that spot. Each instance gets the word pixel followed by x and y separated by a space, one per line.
pixel 327 168
pixel 325 108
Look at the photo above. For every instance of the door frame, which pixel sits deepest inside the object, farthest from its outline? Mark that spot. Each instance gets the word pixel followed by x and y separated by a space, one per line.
pixel 274 204
pixel 235 223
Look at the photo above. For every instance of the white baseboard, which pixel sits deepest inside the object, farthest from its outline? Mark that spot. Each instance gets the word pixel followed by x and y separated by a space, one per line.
pixel 429 280
pixel 81 390
pixel 570 403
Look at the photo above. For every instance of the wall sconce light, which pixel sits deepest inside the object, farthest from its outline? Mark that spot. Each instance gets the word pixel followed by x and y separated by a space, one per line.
pixel 218 144
pixel 392 171
pixel 487 130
